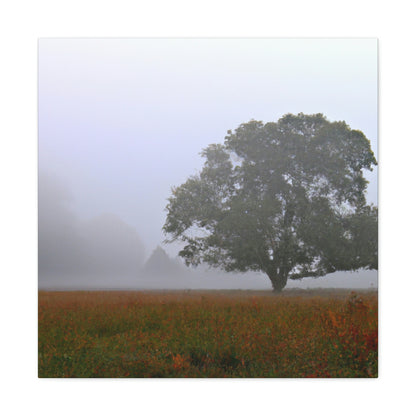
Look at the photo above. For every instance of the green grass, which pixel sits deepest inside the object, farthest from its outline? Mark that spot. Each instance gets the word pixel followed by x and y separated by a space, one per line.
pixel 207 334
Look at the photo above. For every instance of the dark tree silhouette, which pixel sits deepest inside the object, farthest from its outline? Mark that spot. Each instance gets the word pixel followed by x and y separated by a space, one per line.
pixel 286 198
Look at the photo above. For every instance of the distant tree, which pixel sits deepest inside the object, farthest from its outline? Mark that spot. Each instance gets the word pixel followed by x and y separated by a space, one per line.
pixel 286 198
pixel 159 263
pixel 61 248
pixel 68 246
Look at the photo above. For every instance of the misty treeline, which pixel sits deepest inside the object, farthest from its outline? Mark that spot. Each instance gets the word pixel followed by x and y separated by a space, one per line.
pixel 68 245
pixel 104 252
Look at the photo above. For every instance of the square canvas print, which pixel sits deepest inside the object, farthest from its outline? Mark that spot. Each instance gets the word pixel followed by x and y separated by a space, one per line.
pixel 207 208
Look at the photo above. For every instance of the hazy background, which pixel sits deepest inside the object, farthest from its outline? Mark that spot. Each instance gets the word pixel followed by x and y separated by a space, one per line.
pixel 121 121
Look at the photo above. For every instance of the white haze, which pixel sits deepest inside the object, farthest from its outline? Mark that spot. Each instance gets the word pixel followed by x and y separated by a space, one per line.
pixel 121 121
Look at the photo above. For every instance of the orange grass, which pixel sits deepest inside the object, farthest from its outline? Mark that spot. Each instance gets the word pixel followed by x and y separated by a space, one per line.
pixel 208 334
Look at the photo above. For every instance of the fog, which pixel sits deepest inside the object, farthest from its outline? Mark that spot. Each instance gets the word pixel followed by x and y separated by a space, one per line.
pixel 76 251
pixel 106 253
pixel 121 121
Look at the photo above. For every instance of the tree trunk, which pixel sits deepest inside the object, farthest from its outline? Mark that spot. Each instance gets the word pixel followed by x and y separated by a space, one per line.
pixel 278 280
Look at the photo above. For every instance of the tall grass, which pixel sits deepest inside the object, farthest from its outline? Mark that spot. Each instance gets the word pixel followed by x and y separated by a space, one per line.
pixel 133 334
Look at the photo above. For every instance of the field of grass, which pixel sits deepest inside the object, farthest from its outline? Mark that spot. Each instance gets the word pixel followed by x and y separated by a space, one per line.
pixel 316 333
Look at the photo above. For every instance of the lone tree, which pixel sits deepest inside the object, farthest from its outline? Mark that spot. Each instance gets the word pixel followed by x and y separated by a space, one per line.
pixel 284 198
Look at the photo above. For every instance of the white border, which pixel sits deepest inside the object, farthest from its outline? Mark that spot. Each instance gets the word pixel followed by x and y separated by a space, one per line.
pixel 22 23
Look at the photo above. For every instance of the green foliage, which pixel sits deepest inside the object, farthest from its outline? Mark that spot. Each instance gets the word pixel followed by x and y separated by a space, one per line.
pixel 285 198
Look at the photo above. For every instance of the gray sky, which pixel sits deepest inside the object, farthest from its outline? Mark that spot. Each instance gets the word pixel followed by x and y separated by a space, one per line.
pixel 121 121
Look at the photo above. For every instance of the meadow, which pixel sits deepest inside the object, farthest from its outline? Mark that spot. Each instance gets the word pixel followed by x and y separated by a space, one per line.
pixel 314 333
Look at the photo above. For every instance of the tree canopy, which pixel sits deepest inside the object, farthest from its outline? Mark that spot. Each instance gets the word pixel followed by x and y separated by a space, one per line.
pixel 286 198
